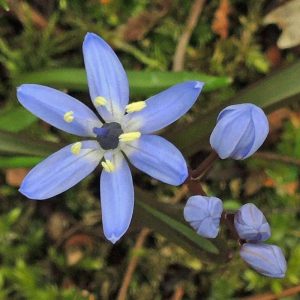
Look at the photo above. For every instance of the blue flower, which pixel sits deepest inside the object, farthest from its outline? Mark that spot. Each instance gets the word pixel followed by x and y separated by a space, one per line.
pixel 251 224
pixel 204 214
pixel 127 130
pixel 265 259
pixel 241 129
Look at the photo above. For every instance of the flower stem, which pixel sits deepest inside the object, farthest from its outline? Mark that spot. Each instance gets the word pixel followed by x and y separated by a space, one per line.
pixel 194 187
pixel 193 180
pixel 228 220
pixel 204 167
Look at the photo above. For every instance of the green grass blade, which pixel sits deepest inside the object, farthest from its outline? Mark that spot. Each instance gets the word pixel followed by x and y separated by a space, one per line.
pixel 168 221
pixel 142 83
pixel 19 161
pixel 16 119
pixel 180 228
pixel 12 143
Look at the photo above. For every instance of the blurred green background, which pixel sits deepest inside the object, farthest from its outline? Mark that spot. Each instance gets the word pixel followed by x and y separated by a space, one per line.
pixel 55 249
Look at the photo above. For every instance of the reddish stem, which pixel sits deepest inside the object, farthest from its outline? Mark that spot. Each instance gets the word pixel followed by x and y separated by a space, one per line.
pixel 204 166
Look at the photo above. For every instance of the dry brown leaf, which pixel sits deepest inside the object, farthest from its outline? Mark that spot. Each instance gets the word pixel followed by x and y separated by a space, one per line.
pixel 277 118
pixel 254 183
pixel 104 2
pixel 273 54
pixel 57 225
pixel 220 23
pixel 73 256
pixel 290 188
pixel 295 119
pixel 269 182
pixel 287 17
pixel 14 177
pixel 80 239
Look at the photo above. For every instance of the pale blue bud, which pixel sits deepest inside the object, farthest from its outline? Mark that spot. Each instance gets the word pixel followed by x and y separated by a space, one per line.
pixel 241 129
pixel 204 214
pixel 251 224
pixel 265 259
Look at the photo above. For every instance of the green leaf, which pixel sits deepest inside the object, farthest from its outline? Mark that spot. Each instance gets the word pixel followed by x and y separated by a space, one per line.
pixel 4 5
pixel 19 161
pixel 12 143
pixel 276 90
pixel 16 119
pixel 142 83
pixel 168 221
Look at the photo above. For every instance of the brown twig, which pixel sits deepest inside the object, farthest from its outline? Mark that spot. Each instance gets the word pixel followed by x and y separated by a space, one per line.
pixel 138 26
pixel 25 11
pixel 278 157
pixel 286 293
pixel 132 264
pixel 191 23
pixel 178 293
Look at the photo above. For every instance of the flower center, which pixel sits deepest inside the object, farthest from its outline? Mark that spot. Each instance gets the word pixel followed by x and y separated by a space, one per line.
pixel 108 135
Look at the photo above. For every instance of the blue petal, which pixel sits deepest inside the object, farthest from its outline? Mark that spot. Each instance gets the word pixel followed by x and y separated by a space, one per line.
pixel 227 134
pixel 265 259
pixel 60 171
pixel 158 158
pixel 251 224
pixel 117 199
pixel 204 214
pixel 261 124
pixel 51 105
pixel 106 76
pixel 165 107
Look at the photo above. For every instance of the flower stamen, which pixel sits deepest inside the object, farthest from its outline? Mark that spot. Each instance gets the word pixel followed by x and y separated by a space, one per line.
pixel 129 136
pixel 108 166
pixel 69 116
pixel 75 148
pixel 100 101
pixel 135 106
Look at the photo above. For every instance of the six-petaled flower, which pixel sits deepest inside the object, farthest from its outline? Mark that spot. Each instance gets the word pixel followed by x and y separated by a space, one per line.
pixel 126 131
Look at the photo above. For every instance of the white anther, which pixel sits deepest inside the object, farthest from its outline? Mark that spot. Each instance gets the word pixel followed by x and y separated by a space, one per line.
pixel 129 136
pixel 108 166
pixel 75 148
pixel 100 101
pixel 135 106
pixel 69 116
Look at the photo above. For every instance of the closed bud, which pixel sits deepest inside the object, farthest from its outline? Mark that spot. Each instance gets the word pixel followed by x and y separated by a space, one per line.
pixel 251 224
pixel 266 259
pixel 241 129
pixel 204 214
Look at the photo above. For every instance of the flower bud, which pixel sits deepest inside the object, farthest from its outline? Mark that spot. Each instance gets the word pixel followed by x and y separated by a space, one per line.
pixel 204 214
pixel 241 129
pixel 251 224
pixel 265 259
